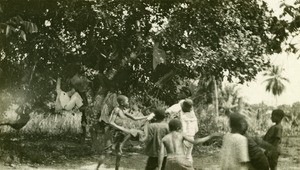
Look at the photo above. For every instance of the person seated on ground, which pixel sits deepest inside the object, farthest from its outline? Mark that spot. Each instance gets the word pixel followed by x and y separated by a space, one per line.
pixel 67 100
pixel 154 132
pixel 189 125
pixel 258 160
pixel 119 120
pixel 173 144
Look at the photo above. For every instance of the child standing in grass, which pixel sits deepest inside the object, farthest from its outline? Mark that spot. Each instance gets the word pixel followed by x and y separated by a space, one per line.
pixel 234 152
pixel 273 136
pixel 189 125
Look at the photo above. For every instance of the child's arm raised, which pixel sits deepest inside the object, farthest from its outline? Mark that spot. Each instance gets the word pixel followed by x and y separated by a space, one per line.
pixel 112 121
pixel 146 132
pixel 201 140
pixel 137 118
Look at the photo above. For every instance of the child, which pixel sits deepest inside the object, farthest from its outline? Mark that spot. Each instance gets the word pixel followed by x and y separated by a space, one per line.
pixel 258 160
pixel 273 136
pixel 118 120
pixel 189 125
pixel 67 100
pixel 234 152
pixel 154 132
pixel 174 110
pixel 173 143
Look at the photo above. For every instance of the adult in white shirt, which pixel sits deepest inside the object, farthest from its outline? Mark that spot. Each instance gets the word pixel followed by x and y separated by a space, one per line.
pixel 67 100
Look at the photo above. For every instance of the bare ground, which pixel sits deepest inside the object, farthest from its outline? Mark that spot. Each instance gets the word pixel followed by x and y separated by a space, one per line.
pixel 53 153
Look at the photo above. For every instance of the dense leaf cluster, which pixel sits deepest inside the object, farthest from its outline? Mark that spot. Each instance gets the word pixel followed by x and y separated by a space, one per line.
pixel 96 37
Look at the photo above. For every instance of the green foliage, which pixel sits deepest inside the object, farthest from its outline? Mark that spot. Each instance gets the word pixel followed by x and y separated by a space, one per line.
pixel 198 38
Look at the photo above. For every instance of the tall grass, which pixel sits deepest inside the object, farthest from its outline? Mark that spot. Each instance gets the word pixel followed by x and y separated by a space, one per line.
pixel 44 123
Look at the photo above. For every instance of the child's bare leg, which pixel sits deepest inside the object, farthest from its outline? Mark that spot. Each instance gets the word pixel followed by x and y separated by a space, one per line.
pixel 126 138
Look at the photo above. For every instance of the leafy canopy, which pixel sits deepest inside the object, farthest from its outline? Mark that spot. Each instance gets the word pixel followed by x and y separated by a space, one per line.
pixel 96 37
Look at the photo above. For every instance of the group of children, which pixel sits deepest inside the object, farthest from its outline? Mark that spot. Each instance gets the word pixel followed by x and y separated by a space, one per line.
pixel 169 139
pixel 240 151
pixel 169 135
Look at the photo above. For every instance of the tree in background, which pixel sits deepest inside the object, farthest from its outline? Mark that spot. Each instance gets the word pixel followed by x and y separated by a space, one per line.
pixel 275 81
pixel 134 47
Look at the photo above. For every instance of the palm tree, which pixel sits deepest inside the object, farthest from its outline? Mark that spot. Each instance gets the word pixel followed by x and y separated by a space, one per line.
pixel 275 81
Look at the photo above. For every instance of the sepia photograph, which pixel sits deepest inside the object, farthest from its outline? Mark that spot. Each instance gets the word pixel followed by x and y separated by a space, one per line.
pixel 149 85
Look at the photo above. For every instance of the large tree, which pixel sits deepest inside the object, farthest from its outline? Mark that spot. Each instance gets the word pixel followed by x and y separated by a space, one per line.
pixel 204 38
pixel 137 47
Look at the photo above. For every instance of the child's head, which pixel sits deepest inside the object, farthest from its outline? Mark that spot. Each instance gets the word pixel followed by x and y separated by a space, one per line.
pixel 236 123
pixel 123 101
pixel 277 115
pixel 187 105
pixel 160 114
pixel 175 125
pixel 244 126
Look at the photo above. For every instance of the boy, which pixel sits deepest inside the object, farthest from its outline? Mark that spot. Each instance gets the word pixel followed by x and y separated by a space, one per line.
pixel 154 133
pixel 273 137
pixel 173 143
pixel 189 125
pixel 258 160
pixel 174 110
pixel 118 120
pixel 234 152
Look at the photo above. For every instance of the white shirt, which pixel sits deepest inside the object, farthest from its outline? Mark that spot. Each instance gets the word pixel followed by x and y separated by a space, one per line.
pixel 189 123
pixel 234 151
pixel 175 109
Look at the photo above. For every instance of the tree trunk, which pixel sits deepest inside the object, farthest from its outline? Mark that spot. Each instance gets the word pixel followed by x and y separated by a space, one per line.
pixel 216 96
pixel 97 132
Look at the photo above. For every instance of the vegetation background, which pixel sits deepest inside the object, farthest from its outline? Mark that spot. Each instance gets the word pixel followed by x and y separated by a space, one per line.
pixel 146 50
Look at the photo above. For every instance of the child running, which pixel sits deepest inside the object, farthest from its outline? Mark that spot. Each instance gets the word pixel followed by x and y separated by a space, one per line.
pixel 119 120
pixel 189 125
pixel 234 152
pixel 174 146
pixel 273 137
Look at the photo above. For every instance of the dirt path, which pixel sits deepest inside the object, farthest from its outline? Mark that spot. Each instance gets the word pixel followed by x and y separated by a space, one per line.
pixel 208 162
pixel 205 158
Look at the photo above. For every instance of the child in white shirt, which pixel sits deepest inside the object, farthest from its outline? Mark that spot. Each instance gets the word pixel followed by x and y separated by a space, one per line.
pixel 189 125
pixel 234 152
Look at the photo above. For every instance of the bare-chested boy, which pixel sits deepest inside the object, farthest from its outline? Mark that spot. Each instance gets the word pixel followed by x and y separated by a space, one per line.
pixel 118 120
pixel 174 146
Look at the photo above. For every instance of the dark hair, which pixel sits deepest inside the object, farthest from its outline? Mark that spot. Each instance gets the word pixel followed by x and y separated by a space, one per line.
pixel 121 98
pixel 244 124
pixel 174 125
pixel 186 91
pixel 160 114
pixel 236 121
pixel 187 105
pixel 278 113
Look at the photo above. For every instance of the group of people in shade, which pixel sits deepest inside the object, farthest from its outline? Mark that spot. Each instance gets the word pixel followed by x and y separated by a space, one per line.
pixel 169 135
